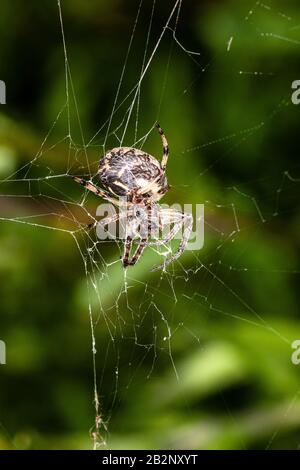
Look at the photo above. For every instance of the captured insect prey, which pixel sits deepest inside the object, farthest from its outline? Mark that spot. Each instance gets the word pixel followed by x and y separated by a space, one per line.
pixel 136 177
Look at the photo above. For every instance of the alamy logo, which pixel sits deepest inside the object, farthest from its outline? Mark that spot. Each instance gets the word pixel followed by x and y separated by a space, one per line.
pixel 2 352
pixel 295 358
pixel 157 225
pixel 296 93
pixel 2 92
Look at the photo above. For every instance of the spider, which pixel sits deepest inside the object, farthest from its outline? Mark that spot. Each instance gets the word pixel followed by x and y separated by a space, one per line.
pixel 138 178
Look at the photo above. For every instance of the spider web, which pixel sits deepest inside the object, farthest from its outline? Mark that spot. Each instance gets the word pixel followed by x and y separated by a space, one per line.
pixel 141 323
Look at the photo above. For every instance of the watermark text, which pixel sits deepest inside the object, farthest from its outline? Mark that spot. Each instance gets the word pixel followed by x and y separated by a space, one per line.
pixel 2 92
pixel 2 352
pixel 295 357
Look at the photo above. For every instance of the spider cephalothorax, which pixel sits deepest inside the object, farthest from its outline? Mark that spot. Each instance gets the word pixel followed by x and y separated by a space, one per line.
pixel 131 174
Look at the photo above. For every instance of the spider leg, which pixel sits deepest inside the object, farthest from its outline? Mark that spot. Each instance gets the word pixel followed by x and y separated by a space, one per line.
pixel 127 248
pixel 94 189
pixel 187 222
pixel 165 147
pixel 144 242
pixel 101 224
pixel 168 237
pixel 137 254
pixel 141 246
pixel 153 184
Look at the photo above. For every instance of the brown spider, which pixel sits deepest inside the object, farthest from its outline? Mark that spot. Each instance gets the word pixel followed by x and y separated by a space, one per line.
pixel 131 174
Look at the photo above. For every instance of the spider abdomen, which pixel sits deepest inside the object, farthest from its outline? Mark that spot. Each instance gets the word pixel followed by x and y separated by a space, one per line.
pixel 126 171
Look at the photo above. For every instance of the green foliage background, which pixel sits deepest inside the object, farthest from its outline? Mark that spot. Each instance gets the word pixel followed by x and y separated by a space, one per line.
pixel 232 322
